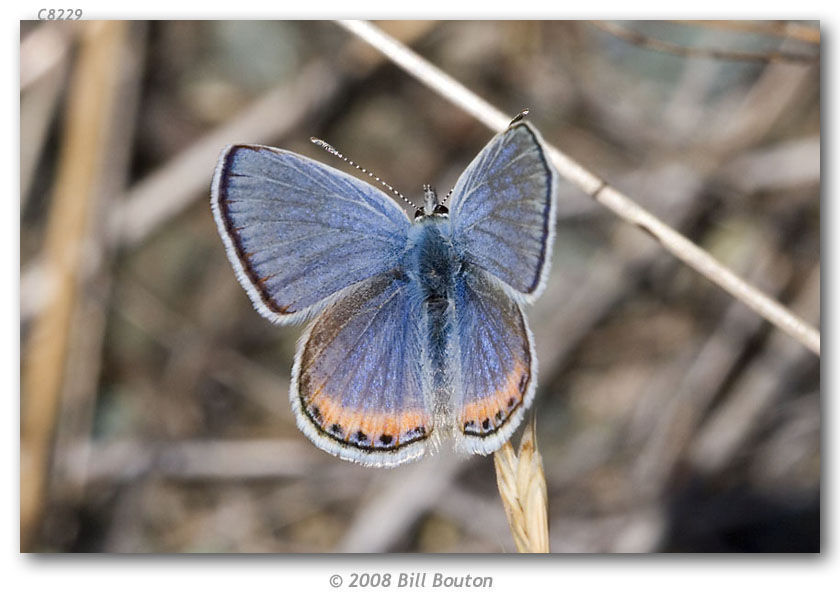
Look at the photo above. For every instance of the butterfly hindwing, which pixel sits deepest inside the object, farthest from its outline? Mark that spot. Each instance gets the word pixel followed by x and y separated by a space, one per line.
pixel 298 231
pixel 358 387
pixel 502 210
pixel 497 364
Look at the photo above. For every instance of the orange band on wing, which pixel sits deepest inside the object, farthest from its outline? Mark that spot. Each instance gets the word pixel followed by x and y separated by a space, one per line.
pixel 369 431
pixel 484 416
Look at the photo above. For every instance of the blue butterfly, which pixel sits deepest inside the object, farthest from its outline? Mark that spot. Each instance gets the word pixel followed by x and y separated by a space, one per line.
pixel 418 331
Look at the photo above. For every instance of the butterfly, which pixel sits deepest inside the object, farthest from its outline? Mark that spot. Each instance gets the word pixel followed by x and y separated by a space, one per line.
pixel 417 327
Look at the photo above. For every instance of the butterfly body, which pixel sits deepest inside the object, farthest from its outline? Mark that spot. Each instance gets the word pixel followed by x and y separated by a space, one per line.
pixel 418 332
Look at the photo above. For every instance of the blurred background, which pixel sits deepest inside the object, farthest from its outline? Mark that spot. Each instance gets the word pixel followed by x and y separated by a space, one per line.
pixel 154 402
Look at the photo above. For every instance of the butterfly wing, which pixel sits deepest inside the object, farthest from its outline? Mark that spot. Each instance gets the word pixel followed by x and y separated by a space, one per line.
pixel 497 364
pixel 357 383
pixel 298 231
pixel 503 207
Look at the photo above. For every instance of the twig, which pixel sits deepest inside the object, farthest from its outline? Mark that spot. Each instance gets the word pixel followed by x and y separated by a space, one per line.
pixel 644 41
pixel 594 186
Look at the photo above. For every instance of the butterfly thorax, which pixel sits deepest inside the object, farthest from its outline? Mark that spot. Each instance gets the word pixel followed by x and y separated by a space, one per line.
pixel 433 259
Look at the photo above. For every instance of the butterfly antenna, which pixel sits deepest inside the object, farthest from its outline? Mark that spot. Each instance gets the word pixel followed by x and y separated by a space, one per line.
pixel 325 146
pixel 449 193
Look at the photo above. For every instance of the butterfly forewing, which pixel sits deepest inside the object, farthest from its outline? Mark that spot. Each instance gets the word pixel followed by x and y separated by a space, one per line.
pixel 298 231
pixel 503 210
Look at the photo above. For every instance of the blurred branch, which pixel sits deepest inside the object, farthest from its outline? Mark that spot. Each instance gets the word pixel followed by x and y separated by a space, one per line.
pixel 44 51
pixel 167 191
pixel 91 101
pixel 37 109
pixel 87 335
pixel 479 515
pixel 678 399
pixel 730 425
pixel 174 331
pixel 783 29
pixel 634 530
pixel 741 123
pixel 43 67
pixel 408 492
pixel 790 164
pixel 639 39
pixel 702 126
pixel 594 186
pixel 128 460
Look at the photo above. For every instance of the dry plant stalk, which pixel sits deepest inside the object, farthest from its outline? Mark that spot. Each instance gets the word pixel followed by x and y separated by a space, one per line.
pixel 90 103
pixel 521 482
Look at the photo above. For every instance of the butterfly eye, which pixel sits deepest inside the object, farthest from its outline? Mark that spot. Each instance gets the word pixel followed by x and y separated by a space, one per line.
pixel 440 209
pixel 418 214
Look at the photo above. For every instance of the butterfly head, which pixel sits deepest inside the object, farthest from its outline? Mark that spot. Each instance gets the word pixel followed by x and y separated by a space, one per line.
pixel 432 207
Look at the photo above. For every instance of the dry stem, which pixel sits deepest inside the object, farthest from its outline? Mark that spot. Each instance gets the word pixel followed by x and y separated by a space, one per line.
pixel 521 482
